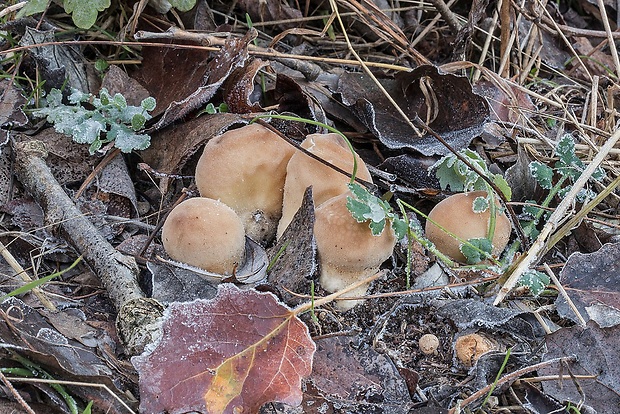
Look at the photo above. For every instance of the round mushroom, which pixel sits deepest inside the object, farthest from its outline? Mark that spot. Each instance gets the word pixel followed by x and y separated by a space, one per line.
pixel 428 344
pixel 303 171
pixel 348 251
pixel 469 348
pixel 205 233
pixel 245 168
pixel 456 215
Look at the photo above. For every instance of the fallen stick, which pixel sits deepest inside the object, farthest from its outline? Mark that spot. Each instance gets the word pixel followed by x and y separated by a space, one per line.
pixel 137 319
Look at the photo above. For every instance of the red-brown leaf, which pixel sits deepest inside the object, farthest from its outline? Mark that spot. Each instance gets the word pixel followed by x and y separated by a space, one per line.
pixel 229 354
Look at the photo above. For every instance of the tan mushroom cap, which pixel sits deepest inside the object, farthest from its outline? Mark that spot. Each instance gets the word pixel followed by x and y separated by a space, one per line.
pixel 205 233
pixel 348 251
pixel 304 171
pixel 456 214
pixel 245 168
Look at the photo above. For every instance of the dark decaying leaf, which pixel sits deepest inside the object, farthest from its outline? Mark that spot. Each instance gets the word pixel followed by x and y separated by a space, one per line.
pixel 173 284
pixel 597 353
pixel 11 114
pixel 354 379
pixel 30 335
pixel 444 101
pixel 116 81
pixel 512 105
pixel 190 79
pixel 591 281
pixel 238 91
pixel 412 169
pixel 230 354
pixel 294 256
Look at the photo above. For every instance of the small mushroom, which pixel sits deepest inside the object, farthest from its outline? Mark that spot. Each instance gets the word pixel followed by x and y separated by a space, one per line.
pixel 456 215
pixel 469 348
pixel 245 168
pixel 303 171
pixel 205 233
pixel 428 344
pixel 347 250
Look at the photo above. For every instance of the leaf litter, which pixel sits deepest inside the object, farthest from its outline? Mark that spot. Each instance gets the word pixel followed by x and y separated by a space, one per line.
pixel 235 342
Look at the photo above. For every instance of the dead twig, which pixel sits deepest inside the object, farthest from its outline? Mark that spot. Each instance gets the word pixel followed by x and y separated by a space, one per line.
pixel 117 272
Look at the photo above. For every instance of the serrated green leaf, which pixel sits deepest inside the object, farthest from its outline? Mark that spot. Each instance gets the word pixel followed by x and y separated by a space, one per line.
pixel 376 227
pixel 400 228
pixel 535 281
pixel 84 12
pixel 358 209
pixel 183 5
pixel 565 150
pixel 137 122
pixel 474 249
pixel 542 174
pixel 480 205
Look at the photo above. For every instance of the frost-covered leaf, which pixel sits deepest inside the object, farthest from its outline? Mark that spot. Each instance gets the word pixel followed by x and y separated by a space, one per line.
pixel 535 281
pixel 148 104
pixel 367 207
pixel 400 227
pixel 88 131
pixel 201 364
pixel 474 250
pixel 84 12
pixel 127 140
pixel 120 101
pixel 542 174
pixel 480 205
pixel 137 122
pixel 455 174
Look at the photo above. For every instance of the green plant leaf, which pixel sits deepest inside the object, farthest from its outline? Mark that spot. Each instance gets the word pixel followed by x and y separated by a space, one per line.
pixel 148 104
pixel 535 281
pixel 88 131
pixel 183 5
pixel 474 250
pixel 480 205
pixel 32 7
pixel 137 122
pixel 84 12
pixel 542 173
pixel 400 227
pixel 126 140
pixel 502 184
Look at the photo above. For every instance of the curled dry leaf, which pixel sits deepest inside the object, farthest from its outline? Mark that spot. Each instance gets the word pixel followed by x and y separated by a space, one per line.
pixel 230 354
pixel 444 101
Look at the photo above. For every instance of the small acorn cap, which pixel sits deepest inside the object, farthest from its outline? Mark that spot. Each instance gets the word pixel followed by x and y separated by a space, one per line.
pixel 303 171
pixel 205 233
pixel 245 168
pixel 455 214
pixel 348 251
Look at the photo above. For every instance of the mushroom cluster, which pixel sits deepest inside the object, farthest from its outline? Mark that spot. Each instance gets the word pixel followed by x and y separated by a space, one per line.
pixel 252 183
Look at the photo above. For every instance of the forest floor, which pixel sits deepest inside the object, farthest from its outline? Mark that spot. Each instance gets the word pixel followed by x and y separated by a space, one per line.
pixel 105 113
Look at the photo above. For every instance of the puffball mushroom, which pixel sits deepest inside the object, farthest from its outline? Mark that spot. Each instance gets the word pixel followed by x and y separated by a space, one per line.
pixel 348 252
pixel 456 214
pixel 245 168
pixel 205 233
pixel 303 171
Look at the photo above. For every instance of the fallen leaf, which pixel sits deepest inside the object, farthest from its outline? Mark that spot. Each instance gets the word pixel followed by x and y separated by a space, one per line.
pixel 444 101
pixel 597 354
pixel 591 281
pixel 230 354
